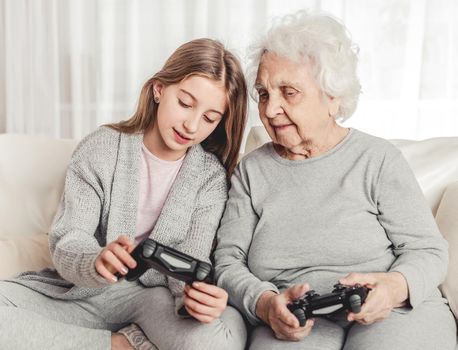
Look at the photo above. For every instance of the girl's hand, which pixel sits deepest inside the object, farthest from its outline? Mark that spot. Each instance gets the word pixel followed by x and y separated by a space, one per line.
pixel 205 302
pixel 272 309
pixel 388 290
pixel 115 258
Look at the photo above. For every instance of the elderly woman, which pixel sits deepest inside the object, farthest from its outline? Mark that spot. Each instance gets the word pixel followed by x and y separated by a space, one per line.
pixel 322 203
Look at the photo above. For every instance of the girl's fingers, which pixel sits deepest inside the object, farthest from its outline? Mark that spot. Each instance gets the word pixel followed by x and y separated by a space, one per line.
pixel 200 308
pixel 210 289
pixel 205 298
pixel 126 243
pixel 103 271
pixel 199 317
pixel 123 256
pixel 109 258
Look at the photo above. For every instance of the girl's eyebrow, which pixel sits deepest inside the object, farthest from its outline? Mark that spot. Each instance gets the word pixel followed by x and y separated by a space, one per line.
pixel 195 99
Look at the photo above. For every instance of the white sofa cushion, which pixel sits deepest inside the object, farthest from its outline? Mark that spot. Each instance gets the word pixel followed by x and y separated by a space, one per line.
pixel 23 253
pixel 32 173
pixel 447 220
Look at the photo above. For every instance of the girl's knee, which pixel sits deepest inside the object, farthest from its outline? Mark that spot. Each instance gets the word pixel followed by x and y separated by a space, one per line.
pixel 218 335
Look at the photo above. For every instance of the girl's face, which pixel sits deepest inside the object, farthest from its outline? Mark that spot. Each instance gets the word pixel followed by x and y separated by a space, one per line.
pixel 187 114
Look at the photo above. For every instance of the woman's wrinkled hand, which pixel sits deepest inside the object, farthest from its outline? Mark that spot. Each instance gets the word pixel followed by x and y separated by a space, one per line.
pixel 115 259
pixel 205 302
pixel 388 290
pixel 272 309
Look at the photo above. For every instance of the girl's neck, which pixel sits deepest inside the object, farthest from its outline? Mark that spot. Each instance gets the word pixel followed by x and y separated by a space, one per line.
pixel 156 145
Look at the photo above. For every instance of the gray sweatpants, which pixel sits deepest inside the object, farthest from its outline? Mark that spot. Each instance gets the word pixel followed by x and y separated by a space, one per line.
pixel 430 326
pixel 30 320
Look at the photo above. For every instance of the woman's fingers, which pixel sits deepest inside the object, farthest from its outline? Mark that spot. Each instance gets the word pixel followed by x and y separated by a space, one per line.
pixel 283 331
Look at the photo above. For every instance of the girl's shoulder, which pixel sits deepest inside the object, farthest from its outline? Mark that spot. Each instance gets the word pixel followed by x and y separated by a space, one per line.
pixel 206 160
pixel 206 164
pixel 101 144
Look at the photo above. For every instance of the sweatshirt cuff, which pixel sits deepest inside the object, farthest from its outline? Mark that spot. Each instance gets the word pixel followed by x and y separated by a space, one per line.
pixel 79 269
pixel 251 299
pixel 415 283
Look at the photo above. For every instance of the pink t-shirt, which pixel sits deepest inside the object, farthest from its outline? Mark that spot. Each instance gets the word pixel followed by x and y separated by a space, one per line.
pixel 156 179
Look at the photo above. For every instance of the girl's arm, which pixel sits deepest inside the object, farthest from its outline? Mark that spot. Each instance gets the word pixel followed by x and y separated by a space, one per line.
pixel 72 243
pixel 72 238
pixel 204 223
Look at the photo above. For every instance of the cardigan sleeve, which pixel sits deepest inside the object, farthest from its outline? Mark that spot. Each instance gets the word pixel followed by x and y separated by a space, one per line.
pixel 234 239
pixel 72 241
pixel 420 250
pixel 204 222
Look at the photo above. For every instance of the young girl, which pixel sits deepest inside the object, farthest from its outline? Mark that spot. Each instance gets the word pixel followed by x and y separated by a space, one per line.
pixel 161 174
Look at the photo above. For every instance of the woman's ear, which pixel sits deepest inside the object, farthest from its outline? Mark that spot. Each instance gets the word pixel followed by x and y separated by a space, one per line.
pixel 333 105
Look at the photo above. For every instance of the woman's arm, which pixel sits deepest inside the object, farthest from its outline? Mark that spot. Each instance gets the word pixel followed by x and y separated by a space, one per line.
pixel 420 250
pixel 234 238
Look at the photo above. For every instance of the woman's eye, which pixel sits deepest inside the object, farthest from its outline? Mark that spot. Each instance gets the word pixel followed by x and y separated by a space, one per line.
pixel 182 104
pixel 290 92
pixel 263 96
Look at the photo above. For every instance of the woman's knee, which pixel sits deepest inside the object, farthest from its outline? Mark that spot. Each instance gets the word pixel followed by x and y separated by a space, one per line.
pixel 5 294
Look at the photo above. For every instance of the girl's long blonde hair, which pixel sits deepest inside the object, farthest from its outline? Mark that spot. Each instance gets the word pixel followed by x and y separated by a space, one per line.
pixel 207 58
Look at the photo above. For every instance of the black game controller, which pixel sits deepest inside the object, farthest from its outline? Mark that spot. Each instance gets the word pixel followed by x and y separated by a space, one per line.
pixel 171 262
pixel 342 297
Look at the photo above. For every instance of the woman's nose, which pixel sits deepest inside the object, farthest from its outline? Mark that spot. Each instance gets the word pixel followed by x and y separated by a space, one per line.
pixel 273 107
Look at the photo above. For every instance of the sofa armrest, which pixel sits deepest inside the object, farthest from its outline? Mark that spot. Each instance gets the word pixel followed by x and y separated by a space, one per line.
pixel 447 220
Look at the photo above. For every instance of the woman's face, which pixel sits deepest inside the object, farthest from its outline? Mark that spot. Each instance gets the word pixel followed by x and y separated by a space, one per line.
pixel 187 114
pixel 291 106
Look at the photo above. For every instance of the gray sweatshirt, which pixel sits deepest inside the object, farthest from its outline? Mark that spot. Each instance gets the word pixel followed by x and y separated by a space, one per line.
pixel 356 208
pixel 100 203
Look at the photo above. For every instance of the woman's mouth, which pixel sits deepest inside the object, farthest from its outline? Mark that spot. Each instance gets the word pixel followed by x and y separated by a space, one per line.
pixel 180 138
pixel 281 127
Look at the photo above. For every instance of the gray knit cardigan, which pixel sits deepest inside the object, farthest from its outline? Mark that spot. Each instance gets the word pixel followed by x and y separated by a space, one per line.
pixel 100 203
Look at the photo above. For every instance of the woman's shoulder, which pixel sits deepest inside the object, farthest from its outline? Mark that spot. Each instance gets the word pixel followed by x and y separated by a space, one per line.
pixel 258 157
pixel 375 145
pixel 262 152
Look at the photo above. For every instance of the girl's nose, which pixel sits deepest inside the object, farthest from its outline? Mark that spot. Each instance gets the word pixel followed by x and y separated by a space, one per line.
pixel 191 124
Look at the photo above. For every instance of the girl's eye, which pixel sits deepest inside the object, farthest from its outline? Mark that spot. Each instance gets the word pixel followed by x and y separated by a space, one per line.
pixel 182 104
pixel 208 120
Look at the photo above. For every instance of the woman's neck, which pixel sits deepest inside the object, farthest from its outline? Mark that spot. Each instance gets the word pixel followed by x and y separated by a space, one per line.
pixel 315 145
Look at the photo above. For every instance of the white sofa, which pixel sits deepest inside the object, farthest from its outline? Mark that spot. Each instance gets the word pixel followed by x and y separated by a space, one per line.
pixel 32 171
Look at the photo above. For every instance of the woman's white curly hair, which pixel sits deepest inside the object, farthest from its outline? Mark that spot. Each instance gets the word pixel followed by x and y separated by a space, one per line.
pixel 322 40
